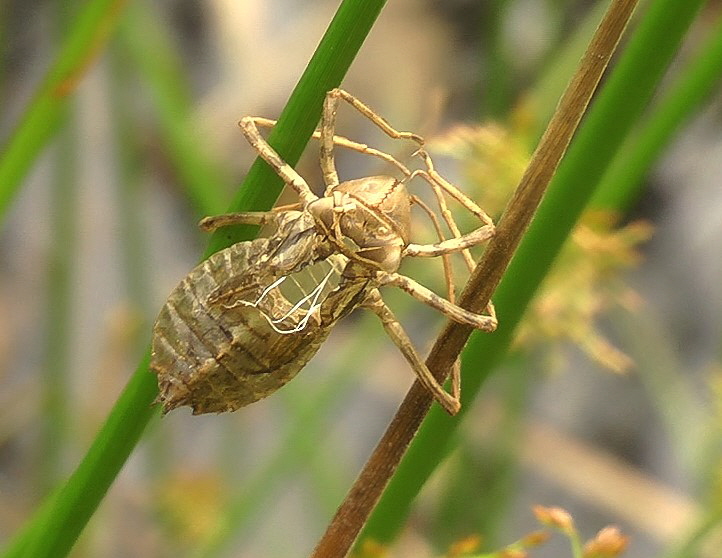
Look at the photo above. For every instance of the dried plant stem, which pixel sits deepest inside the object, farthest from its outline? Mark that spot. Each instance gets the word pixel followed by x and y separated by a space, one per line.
pixel 366 491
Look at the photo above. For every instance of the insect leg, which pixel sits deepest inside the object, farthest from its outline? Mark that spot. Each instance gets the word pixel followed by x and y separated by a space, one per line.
pixel 437 182
pixel 445 213
pixel 214 222
pixel 274 160
pixel 453 311
pixel 330 107
pixel 457 244
pixel 328 125
pixel 448 271
pixel 450 402
pixel 452 190
pixel 364 109
pixel 448 277
pixel 450 292
pixel 342 141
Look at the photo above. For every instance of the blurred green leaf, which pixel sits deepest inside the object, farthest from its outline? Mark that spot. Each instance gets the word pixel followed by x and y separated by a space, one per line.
pixel 90 31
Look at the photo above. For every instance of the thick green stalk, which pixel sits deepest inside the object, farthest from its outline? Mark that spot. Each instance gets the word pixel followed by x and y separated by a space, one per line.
pixel 55 528
pixel 490 468
pixel 622 183
pixel 496 95
pixel 617 107
pixel 93 25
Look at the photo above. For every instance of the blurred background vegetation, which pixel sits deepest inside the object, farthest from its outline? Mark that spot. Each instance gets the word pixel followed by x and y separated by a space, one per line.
pixel 609 403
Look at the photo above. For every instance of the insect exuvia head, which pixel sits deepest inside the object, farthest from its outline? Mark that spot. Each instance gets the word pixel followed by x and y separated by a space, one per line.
pixel 368 218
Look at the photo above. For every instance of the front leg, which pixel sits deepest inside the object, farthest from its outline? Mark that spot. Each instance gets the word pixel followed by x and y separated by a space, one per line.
pixel 328 125
pixel 456 313
pixel 439 185
pixel 450 402
pixel 452 245
pixel 259 218
pixel 274 160
pixel 341 141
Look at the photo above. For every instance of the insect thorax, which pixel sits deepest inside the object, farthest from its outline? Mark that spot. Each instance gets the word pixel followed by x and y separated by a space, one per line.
pixel 369 218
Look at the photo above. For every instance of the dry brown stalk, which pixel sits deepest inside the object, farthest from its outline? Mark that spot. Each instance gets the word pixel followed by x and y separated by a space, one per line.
pixel 368 487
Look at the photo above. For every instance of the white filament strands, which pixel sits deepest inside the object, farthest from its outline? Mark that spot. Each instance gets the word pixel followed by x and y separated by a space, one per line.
pixel 315 294
pixel 269 289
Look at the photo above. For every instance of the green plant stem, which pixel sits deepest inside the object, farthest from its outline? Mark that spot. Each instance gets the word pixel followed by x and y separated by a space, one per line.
pixel 91 29
pixel 63 219
pixel 496 94
pixel 617 107
pixel 622 183
pixel 576 543
pixel 59 304
pixel 57 525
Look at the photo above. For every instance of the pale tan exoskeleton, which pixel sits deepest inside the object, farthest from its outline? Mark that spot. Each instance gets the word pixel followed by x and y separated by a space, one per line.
pixel 230 333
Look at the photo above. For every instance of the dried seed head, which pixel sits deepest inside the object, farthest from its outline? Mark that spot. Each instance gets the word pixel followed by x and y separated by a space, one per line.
pixel 609 543
pixel 513 553
pixel 555 517
pixel 535 539
pixel 464 546
pixel 586 280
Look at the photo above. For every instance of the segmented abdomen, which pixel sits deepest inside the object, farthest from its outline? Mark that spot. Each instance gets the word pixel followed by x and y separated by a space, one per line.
pixel 216 354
